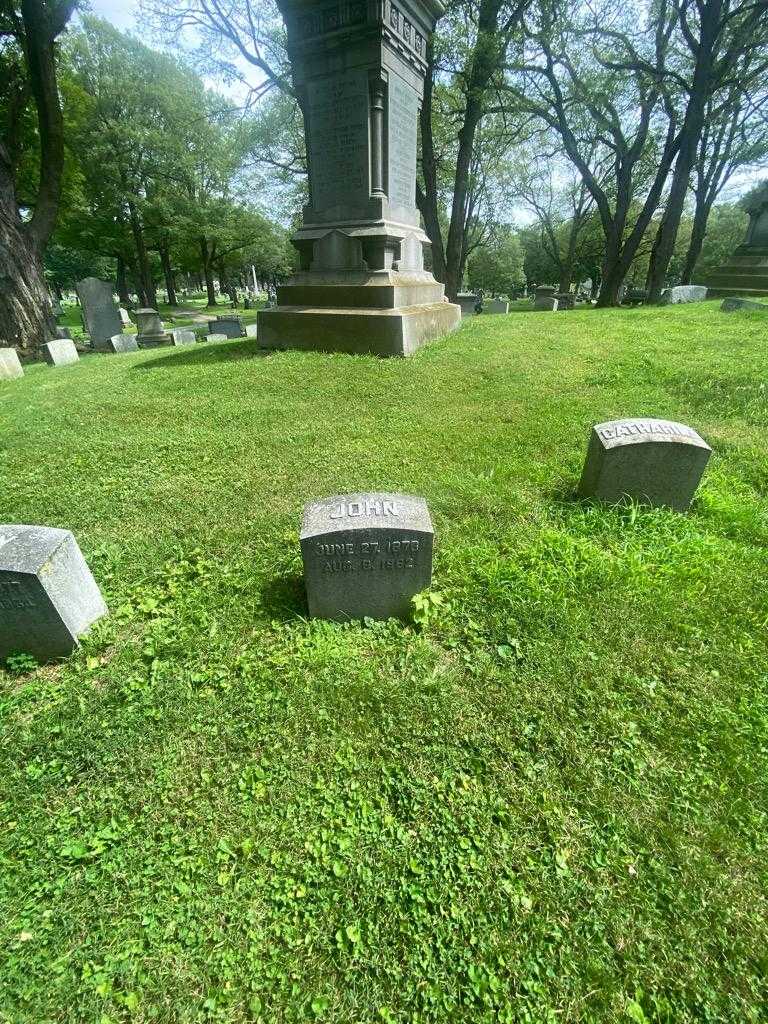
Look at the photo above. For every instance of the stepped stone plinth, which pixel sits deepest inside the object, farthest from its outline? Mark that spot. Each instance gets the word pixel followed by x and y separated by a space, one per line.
pixel 358 69
pixel 746 273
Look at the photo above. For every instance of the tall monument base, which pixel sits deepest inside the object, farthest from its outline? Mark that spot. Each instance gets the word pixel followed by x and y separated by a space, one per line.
pixel 385 313
pixel 745 274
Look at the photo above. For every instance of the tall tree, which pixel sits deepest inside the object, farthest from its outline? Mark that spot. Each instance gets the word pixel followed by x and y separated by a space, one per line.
pixel 28 33
pixel 724 46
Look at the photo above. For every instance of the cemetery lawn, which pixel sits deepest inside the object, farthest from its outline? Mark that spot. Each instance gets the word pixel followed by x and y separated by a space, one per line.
pixel 546 803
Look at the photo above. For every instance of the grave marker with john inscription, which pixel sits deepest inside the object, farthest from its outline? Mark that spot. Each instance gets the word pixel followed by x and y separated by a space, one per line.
pixel 366 555
pixel 657 462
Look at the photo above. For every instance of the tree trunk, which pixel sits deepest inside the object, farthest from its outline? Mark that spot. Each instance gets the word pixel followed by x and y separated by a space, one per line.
pixel 698 234
pixel 121 280
pixel 26 316
pixel 205 254
pixel 146 281
pixel 170 285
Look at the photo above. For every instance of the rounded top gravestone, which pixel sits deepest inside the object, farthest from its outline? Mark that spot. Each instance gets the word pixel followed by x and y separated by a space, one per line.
pixel 366 554
pixel 658 462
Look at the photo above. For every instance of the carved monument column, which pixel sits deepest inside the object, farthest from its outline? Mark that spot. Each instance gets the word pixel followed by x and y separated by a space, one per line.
pixel 358 66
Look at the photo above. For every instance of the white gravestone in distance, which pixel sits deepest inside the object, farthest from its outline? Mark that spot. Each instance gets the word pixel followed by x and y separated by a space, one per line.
pixel 124 318
pixel 656 462
pixel 683 293
pixel 366 555
pixel 496 306
pixel 10 364
pixel 216 337
pixel 122 343
pixel 251 330
pixel 61 352
pixel 48 597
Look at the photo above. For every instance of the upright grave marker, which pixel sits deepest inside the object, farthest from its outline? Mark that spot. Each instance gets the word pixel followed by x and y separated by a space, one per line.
pixel 658 462
pixel 232 326
pixel 121 343
pixel 100 312
pixel 366 555
pixel 359 69
pixel 48 597
pixel 60 352
pixel 182 337
pixel 10 364
pixel 150 333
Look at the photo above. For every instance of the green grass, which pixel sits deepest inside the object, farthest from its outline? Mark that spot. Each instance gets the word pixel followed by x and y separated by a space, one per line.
pixel 546 805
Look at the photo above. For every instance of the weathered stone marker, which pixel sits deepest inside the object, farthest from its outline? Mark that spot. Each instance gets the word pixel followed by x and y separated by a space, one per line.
pixel 151 333
pixel 467 302
pixel 100 312
pixel 683 293
pixel 733 302
pixel 125 320
pixel 496 306
pixel 232 326
pixel 251 330
pixel 48 597
pixel 366 555
pixel 122 343
pixel 545 299
pixel 358 69
pixel 216 337
pixel 10 364
pixel 657 462
pixel 181 337
pixel 60 352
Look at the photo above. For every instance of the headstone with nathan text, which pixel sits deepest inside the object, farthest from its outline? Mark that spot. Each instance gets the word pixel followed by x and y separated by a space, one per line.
pixel 656 462
pixel 100 313
pixel 366 555
pixel 48 597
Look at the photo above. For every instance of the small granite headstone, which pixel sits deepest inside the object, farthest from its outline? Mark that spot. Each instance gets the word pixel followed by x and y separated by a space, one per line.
pixel 10 364
pixel 251 330
pixel 683 293
pixel 495 306
pixel 231 326
pixel 181 337
pixel 656 462
pixel 60 352
pixel 48 597
pixel 99 309
pixel 216 337
pixel 468 302
pixel 150 332
pixel 731 304
pixel 121 343
pixel 366 555
pixel 545 300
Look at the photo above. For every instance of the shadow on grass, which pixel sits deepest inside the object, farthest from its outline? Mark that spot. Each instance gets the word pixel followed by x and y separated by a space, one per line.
pixel 284 598
pixel 206 352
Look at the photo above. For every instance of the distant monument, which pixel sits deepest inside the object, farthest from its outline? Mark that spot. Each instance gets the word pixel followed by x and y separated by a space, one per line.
pixel 746 273
pixel 358 68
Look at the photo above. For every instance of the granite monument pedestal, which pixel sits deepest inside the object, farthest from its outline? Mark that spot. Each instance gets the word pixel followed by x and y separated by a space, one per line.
pixel 746 272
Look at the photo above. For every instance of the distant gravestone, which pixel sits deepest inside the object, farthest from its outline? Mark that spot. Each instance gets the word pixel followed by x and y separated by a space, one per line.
pixel 565 300
pixel 56 306
pixel 731 304
pixel 60 352
pixel 468 302
pixel 657 462
pixel 63 332
pixel 366 555
pixel 545 300
pixel 216 337
pixel 495 306
pixel 180 337
pixel 251 330
pixel 122 343
pixel 150 330
pixel 683 293
pixel 231 326
pixel 124 318
pixel 10 364
pixel 99 309
pixel 48 597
